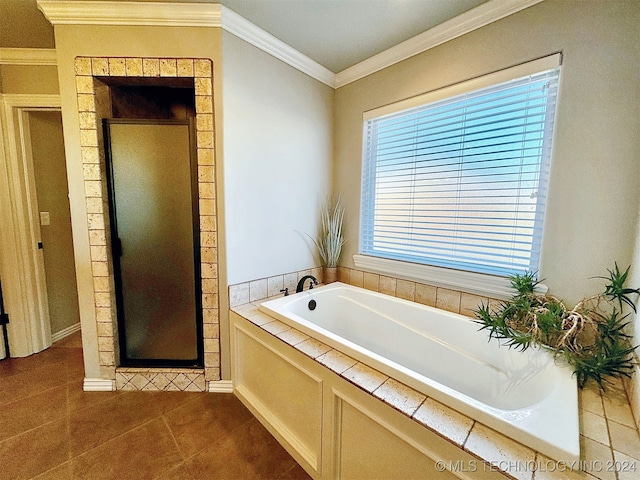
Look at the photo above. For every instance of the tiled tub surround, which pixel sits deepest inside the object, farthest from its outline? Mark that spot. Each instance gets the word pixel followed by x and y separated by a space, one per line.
pixel 609 440
pixel 444 356
pixel 444 298
pixel 93 104
pixel 262 288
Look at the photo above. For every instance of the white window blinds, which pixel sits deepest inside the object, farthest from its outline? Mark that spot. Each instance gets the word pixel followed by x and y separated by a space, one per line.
pixel 461 182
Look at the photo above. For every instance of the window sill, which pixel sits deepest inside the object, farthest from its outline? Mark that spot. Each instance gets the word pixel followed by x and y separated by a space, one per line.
pixel 476 283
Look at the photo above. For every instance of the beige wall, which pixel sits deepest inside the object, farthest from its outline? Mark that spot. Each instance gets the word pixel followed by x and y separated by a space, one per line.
pixel 595 174
pixel 277 161
pixel 28 79
pixel 24 26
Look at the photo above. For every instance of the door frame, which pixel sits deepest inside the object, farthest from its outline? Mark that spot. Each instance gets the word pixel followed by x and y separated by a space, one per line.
pixel 21 262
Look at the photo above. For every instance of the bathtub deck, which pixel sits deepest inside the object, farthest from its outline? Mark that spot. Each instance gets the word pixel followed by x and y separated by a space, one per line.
pixel 609 440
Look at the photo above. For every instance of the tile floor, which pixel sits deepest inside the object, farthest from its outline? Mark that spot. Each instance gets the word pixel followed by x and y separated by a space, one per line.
pixel 51 429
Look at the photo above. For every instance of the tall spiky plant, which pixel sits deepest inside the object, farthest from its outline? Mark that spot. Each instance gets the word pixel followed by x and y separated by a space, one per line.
pixel 331 240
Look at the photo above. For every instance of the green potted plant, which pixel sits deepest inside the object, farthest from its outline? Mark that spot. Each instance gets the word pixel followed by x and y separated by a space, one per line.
pixel 330 239
pixel 591 337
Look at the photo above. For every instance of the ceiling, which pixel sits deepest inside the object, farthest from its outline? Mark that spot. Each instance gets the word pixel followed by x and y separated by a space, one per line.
pixel 341 33
pixel 337 34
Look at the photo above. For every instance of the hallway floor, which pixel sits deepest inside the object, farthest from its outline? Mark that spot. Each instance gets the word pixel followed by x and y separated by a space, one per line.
pixel 51 429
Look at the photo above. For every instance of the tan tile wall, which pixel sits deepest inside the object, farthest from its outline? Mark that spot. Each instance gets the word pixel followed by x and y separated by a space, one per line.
pixel 443 298
pixel 92 105
pixel 262 288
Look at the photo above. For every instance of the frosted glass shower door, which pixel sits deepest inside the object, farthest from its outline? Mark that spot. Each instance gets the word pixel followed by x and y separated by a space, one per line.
pixel 154 217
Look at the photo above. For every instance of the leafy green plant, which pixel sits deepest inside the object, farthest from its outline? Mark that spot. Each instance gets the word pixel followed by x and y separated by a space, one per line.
pixel 591 337
pixel 615 289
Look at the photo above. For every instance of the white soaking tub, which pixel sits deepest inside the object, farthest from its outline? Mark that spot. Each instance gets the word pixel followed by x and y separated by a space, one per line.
pixel 524 395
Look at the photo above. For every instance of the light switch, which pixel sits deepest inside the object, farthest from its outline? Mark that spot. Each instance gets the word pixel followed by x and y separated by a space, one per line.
pixel 45 218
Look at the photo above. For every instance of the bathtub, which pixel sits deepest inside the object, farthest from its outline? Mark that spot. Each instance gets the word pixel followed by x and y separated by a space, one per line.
pixel 526 396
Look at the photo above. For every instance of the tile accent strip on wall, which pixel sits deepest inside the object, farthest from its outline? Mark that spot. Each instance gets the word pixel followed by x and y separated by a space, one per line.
pixel 91 104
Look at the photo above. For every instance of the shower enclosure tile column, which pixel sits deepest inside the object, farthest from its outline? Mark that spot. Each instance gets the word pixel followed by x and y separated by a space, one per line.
pixel 93 103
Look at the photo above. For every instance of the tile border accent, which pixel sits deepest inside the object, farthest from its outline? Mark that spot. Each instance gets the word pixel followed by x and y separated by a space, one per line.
pixel 92 105
pixel 160 379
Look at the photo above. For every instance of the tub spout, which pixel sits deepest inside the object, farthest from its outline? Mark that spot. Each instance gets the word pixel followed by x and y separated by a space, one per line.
pixel 300 287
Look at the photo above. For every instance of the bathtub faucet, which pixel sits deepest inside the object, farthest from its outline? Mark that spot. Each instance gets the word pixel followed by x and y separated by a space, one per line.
pixel 300 287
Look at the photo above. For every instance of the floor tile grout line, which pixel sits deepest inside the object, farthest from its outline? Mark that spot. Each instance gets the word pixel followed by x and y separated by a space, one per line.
pixel 66 416
pixel 175 441
pixel 114 394
pixel 30 430
pixel 219 439
pixel 38 392
pixel 48 422
pixel 73 457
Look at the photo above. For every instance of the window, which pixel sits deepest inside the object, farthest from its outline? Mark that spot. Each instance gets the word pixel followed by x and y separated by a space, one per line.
pixel 458 178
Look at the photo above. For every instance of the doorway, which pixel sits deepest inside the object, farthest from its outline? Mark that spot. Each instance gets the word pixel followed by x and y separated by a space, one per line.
pixel 38 268
pixel 46 145
pixel 153 208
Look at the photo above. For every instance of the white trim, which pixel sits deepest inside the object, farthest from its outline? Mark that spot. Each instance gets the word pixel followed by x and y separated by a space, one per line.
pixel 250 33
pixel 131 13
pixel 98 385
pixel 65 332
pixel 501 76
pixel 23 265
pixel 32 101
pixel 220 386
pixel 476 283
pixel 28 56
pixel 182 15
pixel 84 12
pixel 477 17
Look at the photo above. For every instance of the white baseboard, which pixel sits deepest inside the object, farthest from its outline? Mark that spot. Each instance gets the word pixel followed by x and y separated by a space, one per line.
pixel 65 332
pixel 98 385
pixel 220 386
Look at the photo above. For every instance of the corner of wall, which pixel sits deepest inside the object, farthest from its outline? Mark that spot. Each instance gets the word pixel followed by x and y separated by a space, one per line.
pixel 632 386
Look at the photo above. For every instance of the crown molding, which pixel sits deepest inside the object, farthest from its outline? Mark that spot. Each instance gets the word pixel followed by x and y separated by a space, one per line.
pixel 131 13
pixel 466 22
pixel 28 56
pixel 84 12
pixel 247 31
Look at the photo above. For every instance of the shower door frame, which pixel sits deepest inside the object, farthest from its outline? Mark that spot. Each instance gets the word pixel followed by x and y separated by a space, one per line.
pixel 198 362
